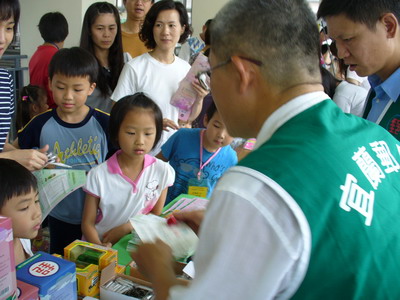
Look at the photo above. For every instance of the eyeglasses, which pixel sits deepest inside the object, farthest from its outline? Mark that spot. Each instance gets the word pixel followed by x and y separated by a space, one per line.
pixel 202 75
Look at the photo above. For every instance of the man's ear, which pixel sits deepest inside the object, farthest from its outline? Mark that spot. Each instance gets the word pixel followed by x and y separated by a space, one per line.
pixel 245 70
pixel 391 24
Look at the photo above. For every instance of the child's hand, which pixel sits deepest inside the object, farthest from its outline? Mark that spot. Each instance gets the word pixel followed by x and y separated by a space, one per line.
pixel 108 245
pixel 114 235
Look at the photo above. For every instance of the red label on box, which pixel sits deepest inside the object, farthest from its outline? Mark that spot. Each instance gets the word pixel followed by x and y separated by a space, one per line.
pixel 44 268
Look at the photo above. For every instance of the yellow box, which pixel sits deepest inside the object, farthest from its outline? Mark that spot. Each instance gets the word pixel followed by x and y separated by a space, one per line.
pixel 120 269
pixel 88 253
pixel 88 280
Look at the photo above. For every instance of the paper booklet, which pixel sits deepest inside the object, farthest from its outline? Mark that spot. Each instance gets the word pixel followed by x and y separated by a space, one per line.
pixel 185 203
pixel 185 96
pixel 56 184
pixel 180 237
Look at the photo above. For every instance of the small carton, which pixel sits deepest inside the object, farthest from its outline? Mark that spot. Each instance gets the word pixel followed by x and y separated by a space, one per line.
pixel 87 278
pixel 27 291
pixel 8 282
pixel 55 277
pixel 134 271
pixel 88 253
pixel 109 274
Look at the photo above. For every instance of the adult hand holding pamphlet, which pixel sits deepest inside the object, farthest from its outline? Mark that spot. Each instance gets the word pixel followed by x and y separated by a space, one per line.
pixel 179 237
pixel 55 184
pixel 185 96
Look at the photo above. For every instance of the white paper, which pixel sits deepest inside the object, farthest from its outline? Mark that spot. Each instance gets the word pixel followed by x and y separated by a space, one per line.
pixel 180 237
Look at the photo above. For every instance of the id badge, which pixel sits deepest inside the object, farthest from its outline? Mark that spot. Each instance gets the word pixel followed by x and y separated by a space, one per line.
pixel 198 187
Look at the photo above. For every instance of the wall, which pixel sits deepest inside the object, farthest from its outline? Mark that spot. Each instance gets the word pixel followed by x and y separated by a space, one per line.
pixel 202 10
pixel 207 9
pixel 33 10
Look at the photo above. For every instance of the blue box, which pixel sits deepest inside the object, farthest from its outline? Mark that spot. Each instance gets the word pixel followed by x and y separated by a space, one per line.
pixel 55 277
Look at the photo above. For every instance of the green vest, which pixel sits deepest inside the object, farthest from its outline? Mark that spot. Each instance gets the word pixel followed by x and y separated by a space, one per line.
pixel 391 119
pixel 324 158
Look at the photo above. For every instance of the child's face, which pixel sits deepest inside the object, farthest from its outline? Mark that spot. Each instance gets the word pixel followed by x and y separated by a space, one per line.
pixel 70 93
pixel 25 214
pixel 6 34
pixel 40 106
pixel 137 132
pixel 104 30
pixel 216 134
pixel 184 124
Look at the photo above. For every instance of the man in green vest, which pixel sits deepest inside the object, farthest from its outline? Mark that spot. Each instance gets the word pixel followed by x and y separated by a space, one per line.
pixel 313 211
pixel 367 36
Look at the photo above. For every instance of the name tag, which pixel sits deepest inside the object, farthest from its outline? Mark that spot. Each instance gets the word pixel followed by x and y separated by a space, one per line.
pixel 198 188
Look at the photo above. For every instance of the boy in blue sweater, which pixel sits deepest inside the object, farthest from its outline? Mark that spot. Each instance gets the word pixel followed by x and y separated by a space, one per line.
pixel 75 132
pixel 199 156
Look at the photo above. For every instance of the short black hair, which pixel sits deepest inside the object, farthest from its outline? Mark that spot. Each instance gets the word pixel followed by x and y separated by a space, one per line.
pixel 53 27
pixel 128 103
pixel 15 180
pixel 207 33
pixel 366 12
pixel 146 33
pixel 8 9
pixel 73 62
pixel 212 109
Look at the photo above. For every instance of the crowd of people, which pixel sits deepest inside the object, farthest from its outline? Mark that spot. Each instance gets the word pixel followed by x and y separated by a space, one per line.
pixel 310 213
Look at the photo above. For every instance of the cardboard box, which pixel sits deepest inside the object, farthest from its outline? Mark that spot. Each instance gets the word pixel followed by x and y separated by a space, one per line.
pixel 109 274
pixel 8 282
pixel 55 277
pixel 88 280
pixel 27 291
pixel 91 254
pixel 178 268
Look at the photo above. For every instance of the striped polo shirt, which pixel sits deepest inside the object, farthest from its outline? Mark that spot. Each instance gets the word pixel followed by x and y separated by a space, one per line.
pixel 6 105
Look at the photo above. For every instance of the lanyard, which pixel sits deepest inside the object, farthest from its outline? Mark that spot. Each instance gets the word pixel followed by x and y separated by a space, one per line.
pixel 201 155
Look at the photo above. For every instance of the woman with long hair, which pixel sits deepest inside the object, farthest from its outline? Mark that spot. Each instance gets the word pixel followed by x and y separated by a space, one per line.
pixel 101 36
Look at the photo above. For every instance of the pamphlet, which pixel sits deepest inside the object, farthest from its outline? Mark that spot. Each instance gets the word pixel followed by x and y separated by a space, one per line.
pixel 55 184
pixel 185 96
pixel 185 203
pixel 180 237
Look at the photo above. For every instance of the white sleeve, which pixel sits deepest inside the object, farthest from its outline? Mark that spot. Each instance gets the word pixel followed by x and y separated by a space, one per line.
pixel 254 242
pixel 93 184
pixel 127 83
pixel 170 175
pixel 26 244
